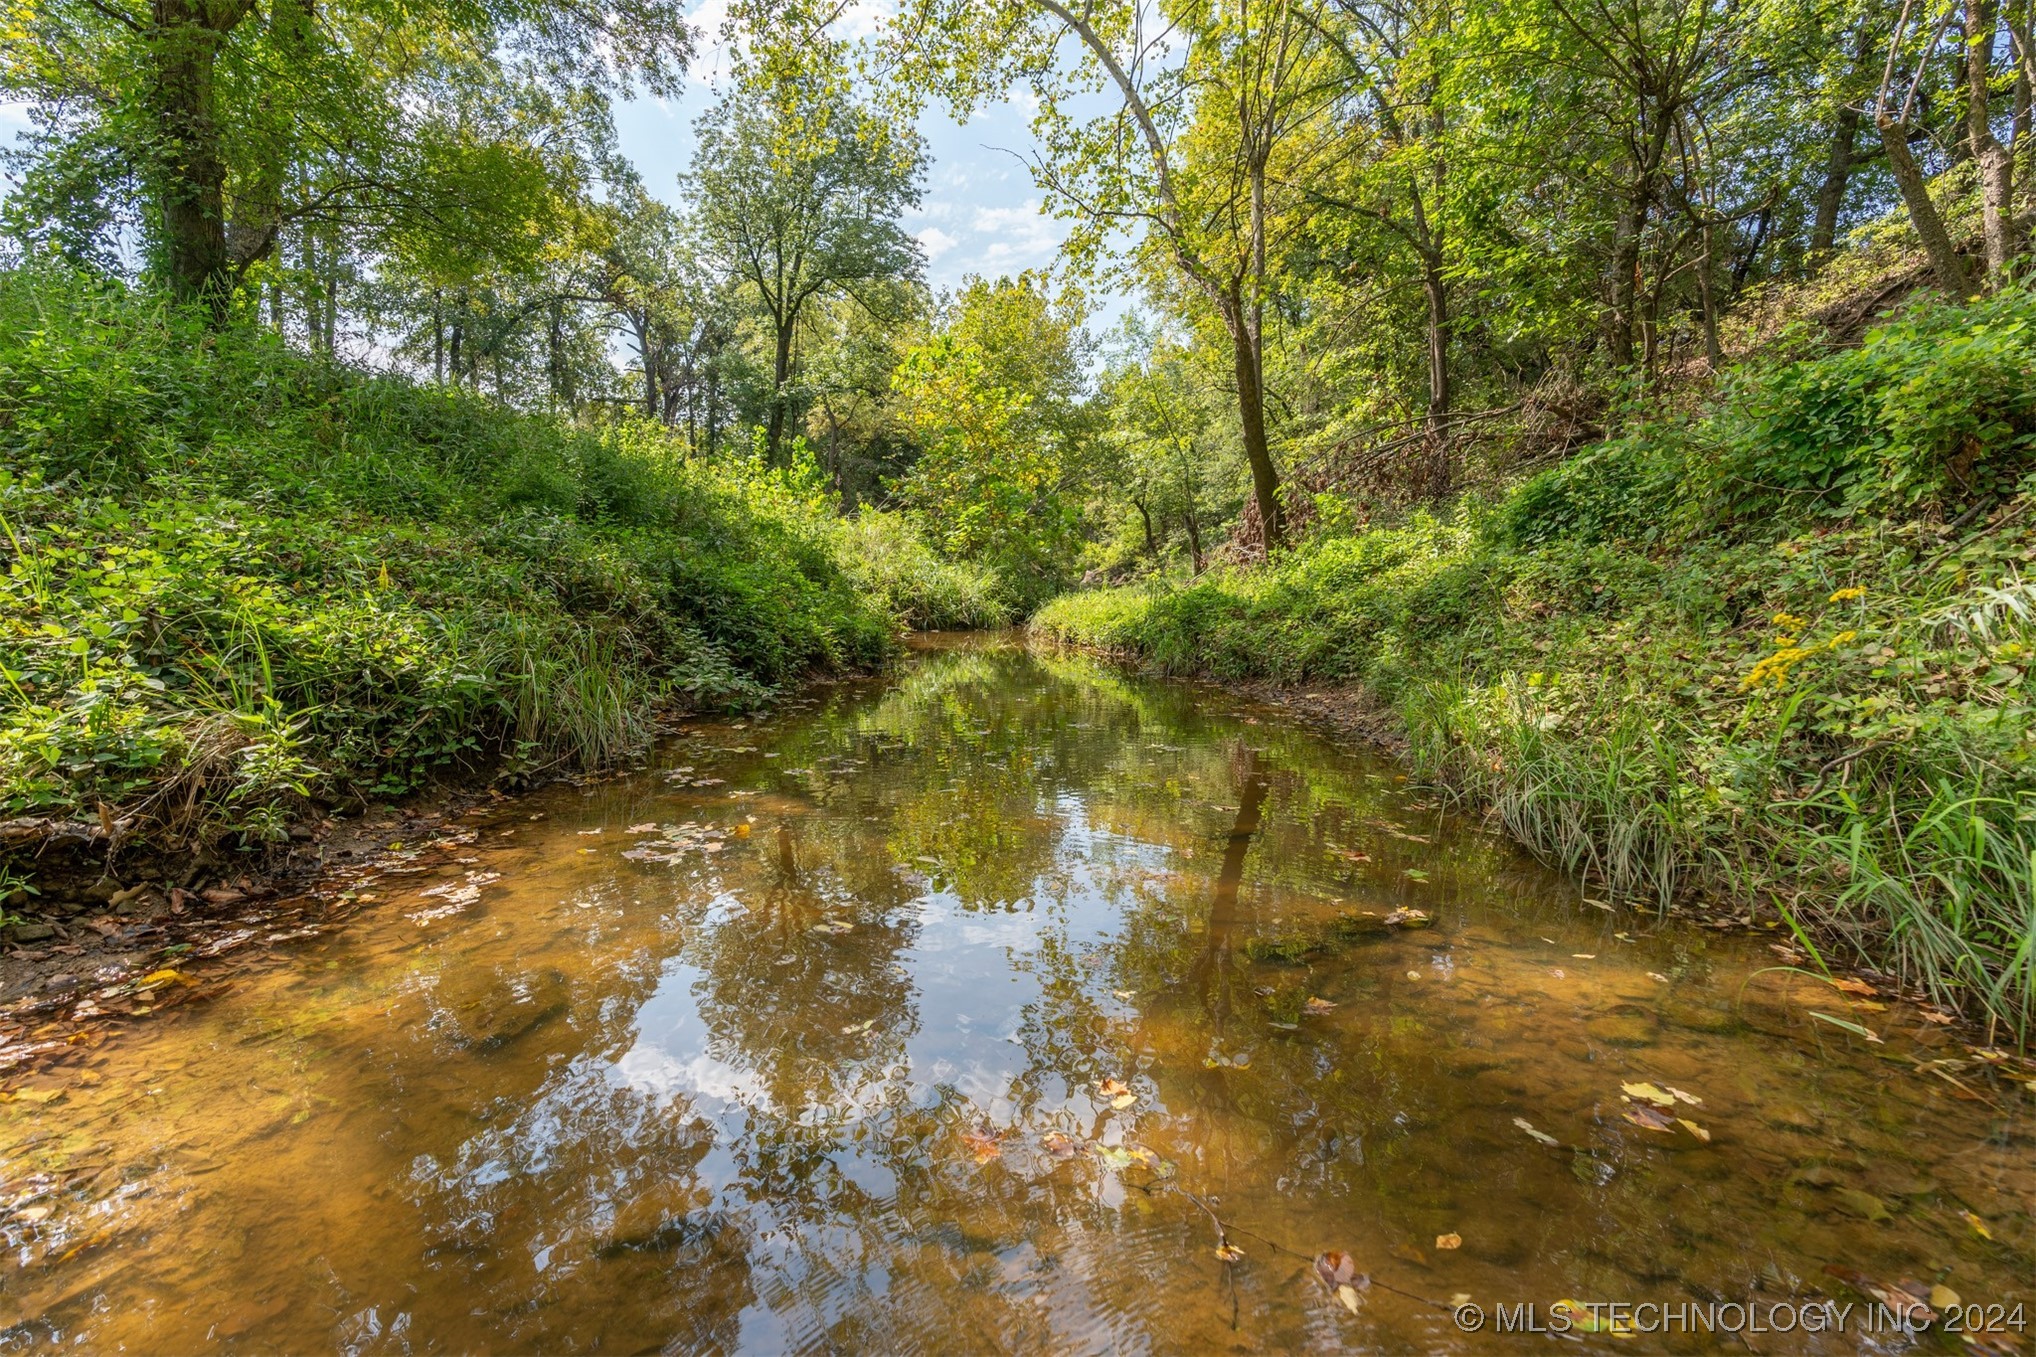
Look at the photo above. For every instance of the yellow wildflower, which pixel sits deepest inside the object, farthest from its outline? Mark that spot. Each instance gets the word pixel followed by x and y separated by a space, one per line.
pixel 1790 622
pixel 1845 594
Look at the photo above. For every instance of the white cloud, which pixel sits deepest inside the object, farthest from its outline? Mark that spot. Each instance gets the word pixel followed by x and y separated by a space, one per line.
pixel 1021 237
pixel 936 242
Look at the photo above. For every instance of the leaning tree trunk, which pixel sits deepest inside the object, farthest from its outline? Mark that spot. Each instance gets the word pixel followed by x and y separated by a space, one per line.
pixel 1923 215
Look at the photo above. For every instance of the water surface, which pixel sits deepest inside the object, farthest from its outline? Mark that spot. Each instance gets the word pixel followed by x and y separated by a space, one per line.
pixel 809 1037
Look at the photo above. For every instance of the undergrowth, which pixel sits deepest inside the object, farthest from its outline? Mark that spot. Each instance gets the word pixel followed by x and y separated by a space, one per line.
pixel 237 577
pixel 1779 655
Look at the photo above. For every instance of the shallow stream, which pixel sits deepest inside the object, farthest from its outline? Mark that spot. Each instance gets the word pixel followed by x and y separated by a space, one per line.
pixel 810 1036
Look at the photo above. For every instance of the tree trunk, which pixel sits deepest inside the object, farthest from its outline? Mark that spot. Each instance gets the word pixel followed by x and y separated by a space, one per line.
pixel 1194 528
pixel 1714 353
pixel 190 167
pixel 1625 282
pixel 1265 481
pixel 1923 214
pixel 314 308
pixel 1996 167
pixel 1435 288
pixel 1837 174
pixel 781 379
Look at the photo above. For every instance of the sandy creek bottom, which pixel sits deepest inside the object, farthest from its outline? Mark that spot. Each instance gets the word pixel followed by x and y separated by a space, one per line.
pixel 798 1040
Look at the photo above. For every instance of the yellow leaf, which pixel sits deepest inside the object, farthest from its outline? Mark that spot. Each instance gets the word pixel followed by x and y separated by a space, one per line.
pixel 1449 1241
pixel 1979 1227
pixel 1348 1295
pixel 1649 1093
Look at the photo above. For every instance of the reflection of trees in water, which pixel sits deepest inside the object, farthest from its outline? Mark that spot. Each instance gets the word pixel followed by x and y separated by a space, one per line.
pixel 591 1191
pixel 801 986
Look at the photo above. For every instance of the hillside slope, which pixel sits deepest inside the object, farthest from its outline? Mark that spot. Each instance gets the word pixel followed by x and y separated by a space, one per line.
pixel 239 580
pixel 1778 655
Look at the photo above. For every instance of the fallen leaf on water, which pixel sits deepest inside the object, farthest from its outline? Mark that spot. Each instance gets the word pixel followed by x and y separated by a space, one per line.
pixel 1315 1005
pixel 1912 1308
pixel 643 829
pixel 166 977
pixel 1413 975
pixel 33 1095
pixel 1979 1227
pixel 1449 1241
pixel 1585 956
pixel 1852 986
pixel 1408 918
pixel 1582 1319
pixel 1699 1132
pixel 1940 1018
pixel 1124 1156
pixel 983 1147
pixel 1863 1204
pixel 597 829
pixel 1692 1099
pixel 1660 1097
pixel 1112 1088
pixel 1123 1100
pixel 1228 1252
pixel 1657 977
pixel 1338 1271
pixel 1541 1136
pixel 1060 1145
pixel 1648 1117
pixel 1943 1297
pixel 855 1027
pixel 742 831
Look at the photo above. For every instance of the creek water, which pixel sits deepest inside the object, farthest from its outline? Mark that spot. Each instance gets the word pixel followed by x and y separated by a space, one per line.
pixel 798 1039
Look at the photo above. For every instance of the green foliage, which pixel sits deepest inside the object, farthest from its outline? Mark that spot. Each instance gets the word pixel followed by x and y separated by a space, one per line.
pixel 887 559
pixel 236 577
pixel 995 401
pixel 1832 720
